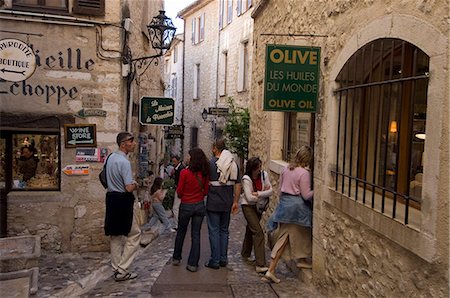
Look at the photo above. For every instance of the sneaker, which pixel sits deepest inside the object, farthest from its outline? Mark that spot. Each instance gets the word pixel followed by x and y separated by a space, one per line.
pixel 211 266
pixel 223 264
pixel 261 269
pixel 191 268
pixel 248 259
pixel 124 276
pixel 175 262
pixel 272 277
pixel 304 264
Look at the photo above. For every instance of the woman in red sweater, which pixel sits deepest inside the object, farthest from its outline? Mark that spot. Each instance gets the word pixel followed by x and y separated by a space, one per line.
pixel 192 188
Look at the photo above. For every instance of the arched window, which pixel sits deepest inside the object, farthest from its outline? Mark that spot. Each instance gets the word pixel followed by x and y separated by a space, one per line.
pixel 382 103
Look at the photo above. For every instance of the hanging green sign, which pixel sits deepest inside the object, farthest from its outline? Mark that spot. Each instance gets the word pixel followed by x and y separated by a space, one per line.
pixel 156 111
pixel 292 78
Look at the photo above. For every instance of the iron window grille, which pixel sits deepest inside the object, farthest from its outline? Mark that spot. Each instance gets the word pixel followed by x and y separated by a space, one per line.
pixel 382 103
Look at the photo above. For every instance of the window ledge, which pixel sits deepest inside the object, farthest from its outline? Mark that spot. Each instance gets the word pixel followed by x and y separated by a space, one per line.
pixel 277 166
pixel 36 197
pixel 408 237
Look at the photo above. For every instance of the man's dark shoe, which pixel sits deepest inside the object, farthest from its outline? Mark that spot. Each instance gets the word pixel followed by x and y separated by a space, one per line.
pixel 223 264
pixel 211 266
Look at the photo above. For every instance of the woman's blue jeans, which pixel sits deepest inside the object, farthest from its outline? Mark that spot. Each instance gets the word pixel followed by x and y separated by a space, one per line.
pixel 194 213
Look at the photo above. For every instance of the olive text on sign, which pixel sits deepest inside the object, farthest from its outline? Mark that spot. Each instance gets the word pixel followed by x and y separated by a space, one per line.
pixel 291 78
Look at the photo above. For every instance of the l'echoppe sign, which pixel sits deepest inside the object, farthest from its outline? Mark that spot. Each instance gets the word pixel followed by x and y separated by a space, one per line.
pixel 292 78
pixel 156 111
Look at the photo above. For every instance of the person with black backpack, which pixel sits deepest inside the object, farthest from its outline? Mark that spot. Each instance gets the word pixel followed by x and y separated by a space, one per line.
pixel 120 219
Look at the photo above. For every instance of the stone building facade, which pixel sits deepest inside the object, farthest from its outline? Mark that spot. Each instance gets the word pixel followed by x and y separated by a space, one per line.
pixel 84 86
pixel 217 65
pixel 378 230
pixel 173 88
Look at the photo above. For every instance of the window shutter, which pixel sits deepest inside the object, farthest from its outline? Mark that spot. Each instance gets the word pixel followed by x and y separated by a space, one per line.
pixel 193 31
pixel 89 7
pixel 221 14
pixel 241 68
pixel 202 27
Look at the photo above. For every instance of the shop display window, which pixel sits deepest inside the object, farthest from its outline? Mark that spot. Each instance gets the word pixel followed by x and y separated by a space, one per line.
pixel 29 161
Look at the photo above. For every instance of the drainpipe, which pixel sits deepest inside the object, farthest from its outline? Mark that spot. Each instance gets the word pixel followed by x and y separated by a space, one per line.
pixel 182 88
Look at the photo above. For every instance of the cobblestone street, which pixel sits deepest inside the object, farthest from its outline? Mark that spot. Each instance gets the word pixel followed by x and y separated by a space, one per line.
pixel 89 275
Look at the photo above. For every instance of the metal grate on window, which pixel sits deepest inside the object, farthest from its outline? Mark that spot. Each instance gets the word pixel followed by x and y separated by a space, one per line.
pixel 382 103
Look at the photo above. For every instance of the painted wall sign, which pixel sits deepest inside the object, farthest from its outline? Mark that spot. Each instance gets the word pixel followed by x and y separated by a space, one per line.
pixel 292 78
pixel 17 60
pixel 76 170
pixel 156 111
pixel 174 132
pixel 218 111
pixel 91 113
pixel 80 135
pixel 52 92
pixel 92 101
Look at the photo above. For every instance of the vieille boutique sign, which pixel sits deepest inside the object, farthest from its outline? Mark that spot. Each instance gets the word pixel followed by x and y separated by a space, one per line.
pixel 292 78
pixel 17 60
pixel 51 92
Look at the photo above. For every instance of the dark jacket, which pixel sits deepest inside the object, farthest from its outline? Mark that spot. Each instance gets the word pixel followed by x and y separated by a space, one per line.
pixel 119 213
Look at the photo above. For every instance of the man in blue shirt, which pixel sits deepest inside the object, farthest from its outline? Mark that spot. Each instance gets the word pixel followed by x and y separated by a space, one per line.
pixel 120 220
pixel 223 197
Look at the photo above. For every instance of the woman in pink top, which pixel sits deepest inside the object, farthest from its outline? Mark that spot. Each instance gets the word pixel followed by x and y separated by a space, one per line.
pixel 192 188
pixel 291 222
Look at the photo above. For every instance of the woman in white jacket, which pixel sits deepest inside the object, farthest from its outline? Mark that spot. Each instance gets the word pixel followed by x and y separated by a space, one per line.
pixel 257 187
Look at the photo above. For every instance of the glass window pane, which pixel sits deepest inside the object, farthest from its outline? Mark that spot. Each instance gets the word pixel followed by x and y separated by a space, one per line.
pixel 35 161
pixel 56 3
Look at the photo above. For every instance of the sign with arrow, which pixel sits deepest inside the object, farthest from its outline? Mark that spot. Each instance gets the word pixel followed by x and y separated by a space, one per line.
pixel 80 135
pixel 17 60
pixel 76 170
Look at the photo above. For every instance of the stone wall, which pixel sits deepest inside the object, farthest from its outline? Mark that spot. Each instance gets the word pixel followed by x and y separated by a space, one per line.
pixel 203 53
pixel 357 251
pixel 71 220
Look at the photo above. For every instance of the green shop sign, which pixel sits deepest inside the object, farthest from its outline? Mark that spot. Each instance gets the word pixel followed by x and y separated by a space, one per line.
pixel 292 78
pixel 156 111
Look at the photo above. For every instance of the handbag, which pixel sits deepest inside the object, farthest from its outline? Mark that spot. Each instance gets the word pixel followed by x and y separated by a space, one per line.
pixel 102 175
pixel 263 202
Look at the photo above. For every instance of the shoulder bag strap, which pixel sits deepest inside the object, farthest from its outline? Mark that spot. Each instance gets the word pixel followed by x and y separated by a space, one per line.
pixel 199 182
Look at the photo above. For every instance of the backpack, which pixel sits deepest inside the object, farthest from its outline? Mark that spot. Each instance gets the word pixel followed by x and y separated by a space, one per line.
pixel 102 175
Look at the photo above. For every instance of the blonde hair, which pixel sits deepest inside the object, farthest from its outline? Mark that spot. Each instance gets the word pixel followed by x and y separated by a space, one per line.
pixel 302 158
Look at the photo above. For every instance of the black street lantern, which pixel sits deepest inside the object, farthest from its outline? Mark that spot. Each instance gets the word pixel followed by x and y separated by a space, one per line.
pixel 162 31
pixel 204 114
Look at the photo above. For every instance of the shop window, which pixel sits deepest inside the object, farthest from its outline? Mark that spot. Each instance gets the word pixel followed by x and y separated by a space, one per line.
pixel 29 160
pixel 382 104
pixel 297 132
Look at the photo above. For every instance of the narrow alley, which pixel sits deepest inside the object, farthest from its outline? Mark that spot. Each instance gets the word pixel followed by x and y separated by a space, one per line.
pixel 90 276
